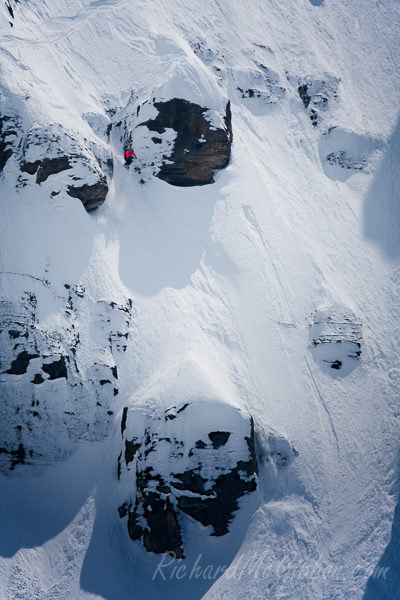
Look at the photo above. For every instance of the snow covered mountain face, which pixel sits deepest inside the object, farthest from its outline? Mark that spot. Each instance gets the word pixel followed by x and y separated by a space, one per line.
pixel 199 364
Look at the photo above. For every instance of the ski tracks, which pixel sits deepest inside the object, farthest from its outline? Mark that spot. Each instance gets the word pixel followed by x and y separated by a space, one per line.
pixel 321 402
pixel 252 221
pixel 59 25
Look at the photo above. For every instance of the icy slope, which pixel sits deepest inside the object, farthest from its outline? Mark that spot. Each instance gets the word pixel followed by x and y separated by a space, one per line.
pixel 278 284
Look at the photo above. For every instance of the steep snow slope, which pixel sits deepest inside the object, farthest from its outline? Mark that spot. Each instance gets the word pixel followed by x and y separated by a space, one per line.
pixel 240 290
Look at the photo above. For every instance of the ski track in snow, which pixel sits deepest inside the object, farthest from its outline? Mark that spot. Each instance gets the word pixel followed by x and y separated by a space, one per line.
pixel 250 216
pixel 320 400
pixel 60 23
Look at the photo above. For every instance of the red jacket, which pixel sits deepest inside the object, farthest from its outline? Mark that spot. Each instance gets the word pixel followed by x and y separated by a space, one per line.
pixel 130 154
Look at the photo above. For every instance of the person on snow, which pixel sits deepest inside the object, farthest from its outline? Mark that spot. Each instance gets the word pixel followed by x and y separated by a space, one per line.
pixel 129 156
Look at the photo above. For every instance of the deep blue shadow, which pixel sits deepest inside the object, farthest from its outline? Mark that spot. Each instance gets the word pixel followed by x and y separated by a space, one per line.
pixel 384 583
pixel 36 508
pixel 381 222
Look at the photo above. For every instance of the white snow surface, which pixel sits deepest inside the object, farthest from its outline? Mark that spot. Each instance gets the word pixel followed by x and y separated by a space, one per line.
pixel 224 279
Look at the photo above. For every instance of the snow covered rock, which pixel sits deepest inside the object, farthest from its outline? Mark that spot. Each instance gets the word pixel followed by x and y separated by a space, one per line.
pixel 212 57
pixel 263 83
pixel 343 152
pixel 48 151
pixel 187 142
pixel 9 125
pixel 44 357
pixel 196 459
pixel 336 338
pixel 343 160
pixel 316 93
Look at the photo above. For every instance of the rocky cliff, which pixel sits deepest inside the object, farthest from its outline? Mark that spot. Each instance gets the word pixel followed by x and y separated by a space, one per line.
pixel 185 462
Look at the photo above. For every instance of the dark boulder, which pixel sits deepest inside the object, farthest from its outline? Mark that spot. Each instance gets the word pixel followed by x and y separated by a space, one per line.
pixel 199 148
pixel 91 196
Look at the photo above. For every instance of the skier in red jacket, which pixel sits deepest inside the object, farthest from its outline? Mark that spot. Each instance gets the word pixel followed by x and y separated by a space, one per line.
pixel 129 156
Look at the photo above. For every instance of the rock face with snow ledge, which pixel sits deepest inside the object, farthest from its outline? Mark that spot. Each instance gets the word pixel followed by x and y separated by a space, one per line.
pixel 43 359
pixel 48 151
pixel 336 338
pixel 200 144
pixel 59 160
pixel 197 459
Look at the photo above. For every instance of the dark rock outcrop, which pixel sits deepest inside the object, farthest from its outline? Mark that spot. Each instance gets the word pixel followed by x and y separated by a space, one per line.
pixel 219 438
pixel 8 134
pixel 20 364
pixel 199 148
pixel 56 369
pixel 91 196
pixel 303 93
pixel 201 474
pixel 46 167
